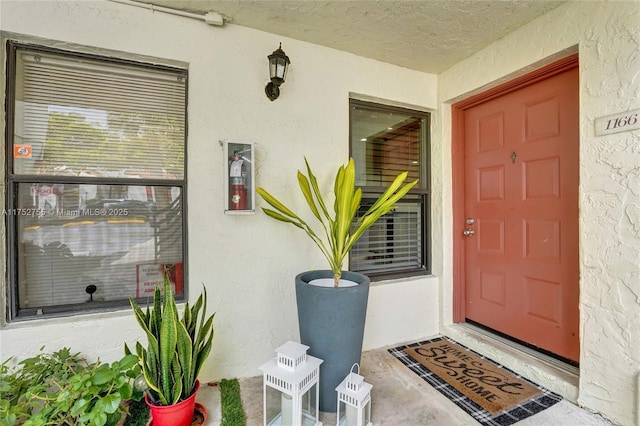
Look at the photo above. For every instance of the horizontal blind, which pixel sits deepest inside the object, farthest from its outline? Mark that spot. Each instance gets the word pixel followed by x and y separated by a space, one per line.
pixel 85 118
pixel 72 236
pixel 80 115
pixel 393 243
pixel 387 141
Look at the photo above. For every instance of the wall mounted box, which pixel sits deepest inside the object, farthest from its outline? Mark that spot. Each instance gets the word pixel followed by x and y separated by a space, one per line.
pixel 239 181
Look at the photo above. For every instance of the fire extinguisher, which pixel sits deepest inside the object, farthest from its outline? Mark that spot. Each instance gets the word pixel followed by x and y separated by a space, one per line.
pixel 238 194
pixel 237 189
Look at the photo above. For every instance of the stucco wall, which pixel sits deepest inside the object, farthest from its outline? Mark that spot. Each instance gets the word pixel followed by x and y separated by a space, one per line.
pixel 607 35
pixel 248 262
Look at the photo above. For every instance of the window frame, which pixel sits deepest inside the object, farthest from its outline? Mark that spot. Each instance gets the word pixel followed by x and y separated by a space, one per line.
pixel 12 181
pixel 422 190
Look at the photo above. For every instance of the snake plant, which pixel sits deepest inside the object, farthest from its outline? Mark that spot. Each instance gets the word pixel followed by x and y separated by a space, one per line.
pixel 341 233
pixel 176 347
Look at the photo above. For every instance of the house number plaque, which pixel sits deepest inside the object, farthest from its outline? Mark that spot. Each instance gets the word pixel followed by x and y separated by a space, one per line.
pixel 622 122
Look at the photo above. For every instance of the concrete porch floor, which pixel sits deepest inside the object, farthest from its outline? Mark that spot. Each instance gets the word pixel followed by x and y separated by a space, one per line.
pixel 401 398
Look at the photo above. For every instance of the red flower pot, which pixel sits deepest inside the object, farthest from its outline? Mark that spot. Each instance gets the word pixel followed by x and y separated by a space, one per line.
pixel 180 414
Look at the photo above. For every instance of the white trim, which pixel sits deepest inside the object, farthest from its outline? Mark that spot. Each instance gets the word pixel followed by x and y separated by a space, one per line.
pixel 387 102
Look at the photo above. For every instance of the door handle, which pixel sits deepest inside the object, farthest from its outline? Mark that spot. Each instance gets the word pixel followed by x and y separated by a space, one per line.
pixel 468 232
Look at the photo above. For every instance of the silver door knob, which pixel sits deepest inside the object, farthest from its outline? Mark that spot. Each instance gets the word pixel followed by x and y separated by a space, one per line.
pixel 470 221
pixel 468 232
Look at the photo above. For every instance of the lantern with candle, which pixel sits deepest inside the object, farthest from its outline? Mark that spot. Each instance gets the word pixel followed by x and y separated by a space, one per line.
pixel 354 400
pixel 291 387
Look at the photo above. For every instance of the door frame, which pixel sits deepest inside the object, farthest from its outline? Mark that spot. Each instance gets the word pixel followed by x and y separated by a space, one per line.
pixel 457 163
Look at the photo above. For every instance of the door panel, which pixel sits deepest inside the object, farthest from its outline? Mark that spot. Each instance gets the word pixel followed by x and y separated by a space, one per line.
pixel 521 190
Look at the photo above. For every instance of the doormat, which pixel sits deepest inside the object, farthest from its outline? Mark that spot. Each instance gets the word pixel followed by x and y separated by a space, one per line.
pixel 487 391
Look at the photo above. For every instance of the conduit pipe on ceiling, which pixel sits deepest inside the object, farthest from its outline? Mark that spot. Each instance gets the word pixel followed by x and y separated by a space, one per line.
pixel 211 18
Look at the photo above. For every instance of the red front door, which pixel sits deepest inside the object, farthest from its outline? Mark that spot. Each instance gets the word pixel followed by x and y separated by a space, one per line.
pixel 521 269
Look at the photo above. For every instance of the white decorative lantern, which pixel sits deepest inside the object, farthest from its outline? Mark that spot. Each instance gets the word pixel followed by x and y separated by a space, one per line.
pixel 291 387
pixel 354 400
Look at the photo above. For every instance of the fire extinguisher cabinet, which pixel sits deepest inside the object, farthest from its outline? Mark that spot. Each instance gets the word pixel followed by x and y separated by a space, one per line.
pixel 239 177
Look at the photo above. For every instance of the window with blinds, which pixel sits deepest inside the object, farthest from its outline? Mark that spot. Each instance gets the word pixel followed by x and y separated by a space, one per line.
pixel 96 180
pixel 386 141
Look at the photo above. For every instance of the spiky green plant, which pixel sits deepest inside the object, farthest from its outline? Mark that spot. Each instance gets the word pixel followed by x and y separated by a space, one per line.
pixel 176 347
pixel 340 232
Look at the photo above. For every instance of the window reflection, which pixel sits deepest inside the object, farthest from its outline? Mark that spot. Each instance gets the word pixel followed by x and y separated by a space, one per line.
pixel 114 237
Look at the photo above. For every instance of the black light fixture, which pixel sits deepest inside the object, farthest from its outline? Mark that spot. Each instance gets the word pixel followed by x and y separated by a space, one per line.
pixel 278 63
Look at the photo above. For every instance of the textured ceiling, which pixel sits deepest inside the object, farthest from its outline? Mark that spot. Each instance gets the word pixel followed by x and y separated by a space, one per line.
pixel 425 35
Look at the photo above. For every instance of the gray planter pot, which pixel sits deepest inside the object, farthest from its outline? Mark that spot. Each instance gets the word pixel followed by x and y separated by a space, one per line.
pixel 331 322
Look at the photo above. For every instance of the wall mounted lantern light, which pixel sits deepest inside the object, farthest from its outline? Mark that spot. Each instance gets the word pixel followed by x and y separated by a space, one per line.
pixel 278 63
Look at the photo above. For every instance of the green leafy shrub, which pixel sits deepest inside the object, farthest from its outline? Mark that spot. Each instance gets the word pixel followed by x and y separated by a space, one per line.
pixel 63 389
pixel 139 413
